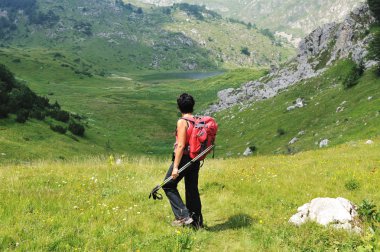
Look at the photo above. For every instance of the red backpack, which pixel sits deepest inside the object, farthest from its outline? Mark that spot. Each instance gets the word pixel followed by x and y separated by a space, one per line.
pixel 202 136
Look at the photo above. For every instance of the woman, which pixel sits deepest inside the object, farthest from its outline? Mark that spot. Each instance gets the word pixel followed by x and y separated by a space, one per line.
pixel 189 214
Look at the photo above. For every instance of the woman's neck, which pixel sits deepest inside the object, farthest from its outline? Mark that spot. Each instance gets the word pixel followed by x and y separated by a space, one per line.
pixel 187 115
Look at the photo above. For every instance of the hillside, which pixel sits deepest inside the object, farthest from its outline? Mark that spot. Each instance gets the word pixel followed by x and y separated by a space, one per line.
pixel 291 17
pixel 90 204
pixel 322 94
pixel 109 36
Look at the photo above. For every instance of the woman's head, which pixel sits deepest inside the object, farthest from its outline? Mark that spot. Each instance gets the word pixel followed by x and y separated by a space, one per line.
pixel 185 103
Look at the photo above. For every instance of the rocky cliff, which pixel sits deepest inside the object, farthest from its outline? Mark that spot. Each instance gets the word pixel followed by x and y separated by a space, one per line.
pixel 316 52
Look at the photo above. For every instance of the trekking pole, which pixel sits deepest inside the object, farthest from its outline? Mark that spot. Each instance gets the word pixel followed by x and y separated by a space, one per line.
pixel 154 193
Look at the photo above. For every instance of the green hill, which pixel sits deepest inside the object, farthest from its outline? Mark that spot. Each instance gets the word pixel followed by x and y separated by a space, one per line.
pixel 108 36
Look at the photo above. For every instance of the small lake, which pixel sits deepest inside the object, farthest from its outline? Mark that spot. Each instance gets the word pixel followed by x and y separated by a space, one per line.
pixel 179 75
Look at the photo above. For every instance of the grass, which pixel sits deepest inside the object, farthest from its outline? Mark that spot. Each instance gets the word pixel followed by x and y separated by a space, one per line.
pixel 92 205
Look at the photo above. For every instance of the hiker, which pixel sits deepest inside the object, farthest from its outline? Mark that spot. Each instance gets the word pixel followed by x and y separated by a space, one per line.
pixel 189 214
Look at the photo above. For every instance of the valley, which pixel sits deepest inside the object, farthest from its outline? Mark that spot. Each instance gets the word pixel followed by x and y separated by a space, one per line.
pixel 294 124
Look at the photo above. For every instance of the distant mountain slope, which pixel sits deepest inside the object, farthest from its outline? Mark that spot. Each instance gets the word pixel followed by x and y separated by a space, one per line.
pixel 295 17
pixel 121 36
pixel 329 94
pixel 316 53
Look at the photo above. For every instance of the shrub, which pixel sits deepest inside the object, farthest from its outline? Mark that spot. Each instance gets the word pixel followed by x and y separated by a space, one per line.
pixel 7 79
pixel 377 70
pixel 21 97
pixel 3 111
pixel 60 115
pixel 58 128
pixel 374 46
pixel 253 148
pixel 37 114
pixel 280 132
pixel 374 6
pixel 245 51
pixel 368 212
pixel 22 116
pixel 352 185
pixel 355 72
pixel 76 128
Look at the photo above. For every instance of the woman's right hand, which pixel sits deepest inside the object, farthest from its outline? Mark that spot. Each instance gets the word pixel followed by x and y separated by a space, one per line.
pixel 175 173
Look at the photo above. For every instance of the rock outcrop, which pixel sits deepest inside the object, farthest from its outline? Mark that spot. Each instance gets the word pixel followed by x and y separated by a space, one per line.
pixel 316 53
pixel 339 213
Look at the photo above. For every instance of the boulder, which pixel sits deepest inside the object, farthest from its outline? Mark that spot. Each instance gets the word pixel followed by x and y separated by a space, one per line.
pixel 339 109
pixel 293 141
pixel 369 142
pixel 324 143
pixel 300 103
pixel 339 213
pixel 290 108
pixel 248 152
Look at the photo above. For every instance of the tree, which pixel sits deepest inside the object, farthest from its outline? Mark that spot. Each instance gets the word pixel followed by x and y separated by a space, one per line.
pixel 374 48
pixel 7 78
pixel 374 6
pixel 76 128
pixel 356 71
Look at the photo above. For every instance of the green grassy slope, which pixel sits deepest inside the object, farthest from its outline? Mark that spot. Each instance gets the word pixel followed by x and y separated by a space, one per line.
pixel 93 205
pixel 259 124
pixel 123 112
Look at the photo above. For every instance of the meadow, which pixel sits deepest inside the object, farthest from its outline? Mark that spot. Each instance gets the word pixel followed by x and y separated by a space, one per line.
pixel 92 204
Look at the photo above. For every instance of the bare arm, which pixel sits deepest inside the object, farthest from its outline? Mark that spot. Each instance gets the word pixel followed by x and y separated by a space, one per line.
pixel 181 144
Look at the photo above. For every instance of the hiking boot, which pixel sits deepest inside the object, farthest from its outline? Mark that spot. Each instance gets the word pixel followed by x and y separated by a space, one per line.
pixel 182 222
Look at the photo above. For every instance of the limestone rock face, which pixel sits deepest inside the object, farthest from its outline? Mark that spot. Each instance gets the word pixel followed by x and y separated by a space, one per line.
pixel 339 212
pixel 316 53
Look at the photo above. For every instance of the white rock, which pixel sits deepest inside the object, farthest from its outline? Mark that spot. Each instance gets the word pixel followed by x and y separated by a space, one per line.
pixel 290 108
pixel 248 152
pixel 293 141
pixel 339 212
pixel 3 154
pixel 370 98
pixel 339 109
pixel 118 161
pixel 299 103
pixel 324 143
pixel 302 132
pixel 369 142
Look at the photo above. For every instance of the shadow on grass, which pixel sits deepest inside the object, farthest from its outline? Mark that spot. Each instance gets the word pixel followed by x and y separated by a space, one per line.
pixel 234 222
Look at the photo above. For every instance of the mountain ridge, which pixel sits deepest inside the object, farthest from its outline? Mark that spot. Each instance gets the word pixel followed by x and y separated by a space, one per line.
pixel 290 19
pixel 319 50
pixel 142 38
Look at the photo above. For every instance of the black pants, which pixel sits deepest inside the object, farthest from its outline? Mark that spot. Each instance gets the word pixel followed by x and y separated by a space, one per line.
pixel 193 207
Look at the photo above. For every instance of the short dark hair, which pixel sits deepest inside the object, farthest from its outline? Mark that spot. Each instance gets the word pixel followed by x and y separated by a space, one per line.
pixel 185 103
